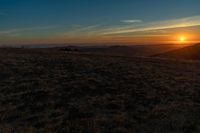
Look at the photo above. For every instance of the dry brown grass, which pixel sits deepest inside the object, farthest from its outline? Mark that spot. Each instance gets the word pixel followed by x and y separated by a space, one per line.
pixel 46 90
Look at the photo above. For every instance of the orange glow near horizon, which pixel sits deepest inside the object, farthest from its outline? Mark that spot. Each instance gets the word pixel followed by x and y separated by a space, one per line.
pixel 183 39
pixel 175 37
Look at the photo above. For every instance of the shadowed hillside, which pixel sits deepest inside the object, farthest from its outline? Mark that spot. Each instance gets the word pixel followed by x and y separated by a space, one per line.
pixel 46 90
pixel 190 52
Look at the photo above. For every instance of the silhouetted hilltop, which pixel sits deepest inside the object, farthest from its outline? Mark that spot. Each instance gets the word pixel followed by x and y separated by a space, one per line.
pixel 190 52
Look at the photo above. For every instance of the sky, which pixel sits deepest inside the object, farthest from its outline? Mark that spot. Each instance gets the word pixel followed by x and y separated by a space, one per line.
pixel 98 21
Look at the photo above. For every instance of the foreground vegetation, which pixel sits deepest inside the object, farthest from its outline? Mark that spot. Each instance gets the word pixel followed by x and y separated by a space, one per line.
pixel 47 90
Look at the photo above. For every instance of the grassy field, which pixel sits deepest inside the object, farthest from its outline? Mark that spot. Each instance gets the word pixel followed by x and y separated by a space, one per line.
pixel 47 90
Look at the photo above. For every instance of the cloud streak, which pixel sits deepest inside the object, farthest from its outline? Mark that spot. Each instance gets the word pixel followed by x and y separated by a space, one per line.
pixel 19 30
pixel 159 25
pixel 158 29
pixel 132 21
pixel 83 31
pixel 128 30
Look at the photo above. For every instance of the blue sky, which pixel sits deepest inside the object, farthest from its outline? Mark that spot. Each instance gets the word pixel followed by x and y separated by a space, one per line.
pixel 51 21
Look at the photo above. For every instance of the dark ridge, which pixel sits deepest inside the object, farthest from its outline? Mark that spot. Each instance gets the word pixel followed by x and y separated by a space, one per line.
pixel 186 53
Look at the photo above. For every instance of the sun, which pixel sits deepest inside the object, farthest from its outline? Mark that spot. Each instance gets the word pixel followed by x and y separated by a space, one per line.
pixel 182 39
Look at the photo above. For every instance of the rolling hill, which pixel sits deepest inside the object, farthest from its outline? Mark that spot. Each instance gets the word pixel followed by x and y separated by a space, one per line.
pixel 187 53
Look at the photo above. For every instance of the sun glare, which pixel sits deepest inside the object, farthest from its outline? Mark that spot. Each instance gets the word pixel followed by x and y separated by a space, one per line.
pixel 182 39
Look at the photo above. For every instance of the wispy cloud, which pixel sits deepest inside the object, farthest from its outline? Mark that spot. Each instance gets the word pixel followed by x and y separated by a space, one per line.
pixel 132 21
pixel 89 28
pixel 159 25
pixel 101 32
pixel 104 32
pixel 19 30
pixel 80 30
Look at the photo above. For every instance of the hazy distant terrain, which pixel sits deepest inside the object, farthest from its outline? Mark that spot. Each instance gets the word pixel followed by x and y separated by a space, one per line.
pixel 49 90
pixel 128 50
